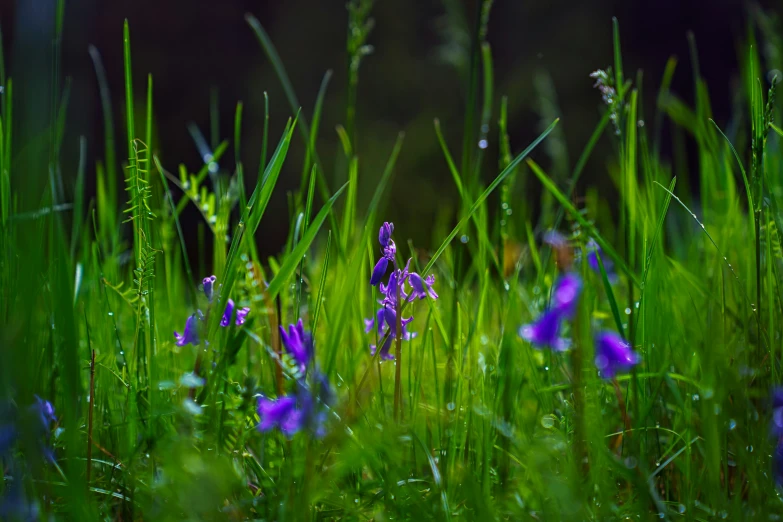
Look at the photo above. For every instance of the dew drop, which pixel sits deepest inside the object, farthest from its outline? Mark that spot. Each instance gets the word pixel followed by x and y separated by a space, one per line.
pixel 450 406
pixel 627 311
pixel 464 238
pixel 482 144
pixel 681 508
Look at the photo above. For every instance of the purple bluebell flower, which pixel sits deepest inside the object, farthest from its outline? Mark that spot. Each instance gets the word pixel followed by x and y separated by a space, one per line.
pixel 229 312
pixel 295 412
pixel 593 252
pixel 613 354
pixel 298 343
pixel 379 271
pixel 776 423
pixel 209 286
pixel 566 294
pixel 545 331
pixel 555 239
pixel 242 315
pixel 394 294
pixel 422 288
pixel 275 412
pixel 384 234
pixel 14 504
pixel 777 462
pixel 189 334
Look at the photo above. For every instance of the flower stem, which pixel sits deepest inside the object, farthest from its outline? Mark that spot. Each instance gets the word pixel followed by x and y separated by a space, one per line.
pixel 398 358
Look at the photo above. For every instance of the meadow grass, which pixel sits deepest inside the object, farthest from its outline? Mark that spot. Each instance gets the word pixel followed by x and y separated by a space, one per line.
pixel 470 422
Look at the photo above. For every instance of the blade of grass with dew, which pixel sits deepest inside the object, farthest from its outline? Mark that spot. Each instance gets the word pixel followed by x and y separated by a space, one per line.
pixel 251 218
pixel 492 186
pixel 289 265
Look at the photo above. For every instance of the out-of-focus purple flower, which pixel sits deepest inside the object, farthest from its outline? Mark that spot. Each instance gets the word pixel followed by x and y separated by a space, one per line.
pixel 229 311
pixel 593 252
pixel 613 354
pixel 189 334
pixel 44 411
pixel 209 286
pixel 545 332
pixel 293 413
pixel 566 294
pixel 379 271
pixel 776 423
pixel 7 438
pixel 777 463
pixel 274 412
pixel 384 235
pixel 298 343
pixel 242 315
pixel 14 504
pixel 555 239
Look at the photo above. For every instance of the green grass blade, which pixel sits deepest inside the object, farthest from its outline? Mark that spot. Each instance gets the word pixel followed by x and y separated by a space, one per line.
pixel 289 265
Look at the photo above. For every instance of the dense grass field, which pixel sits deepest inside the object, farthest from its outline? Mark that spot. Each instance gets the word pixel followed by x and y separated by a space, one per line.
pixel 601 355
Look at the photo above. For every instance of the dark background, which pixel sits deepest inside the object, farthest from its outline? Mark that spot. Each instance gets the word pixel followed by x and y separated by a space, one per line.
pixel 194 46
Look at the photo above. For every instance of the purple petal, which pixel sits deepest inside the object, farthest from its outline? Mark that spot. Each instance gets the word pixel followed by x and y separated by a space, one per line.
pixel 209 284
pixel 379 271
pixel 273 412
pixel 429 281
pixel 298 343
pixel 417 285
pixel 190 334
pixel 384 234
pixel 555 239
pixel 242 315
pixel 543 332
pixel 613 354
pixel 566 294
pixel 226 320
pixel 368 325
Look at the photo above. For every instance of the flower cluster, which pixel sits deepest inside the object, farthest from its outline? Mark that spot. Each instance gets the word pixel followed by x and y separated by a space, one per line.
pixel 394 294
pixel 14 504
pixel 190 333
pixel 305 408
pixel 546 331
pixel 612 353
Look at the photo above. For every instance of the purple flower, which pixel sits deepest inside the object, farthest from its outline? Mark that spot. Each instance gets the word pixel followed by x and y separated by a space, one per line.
pixel 394 294
pixel 422 288
pixel 776 424
pixel 379 271
pixel 384 235
pixel 293 413
pixel 190 334
pixel 275 412
pixel 242 315
pixel 229 311
pixel 593 252
pixel 45 412
pixel 545 332
pixel 555 239
pixel 209 284
pixel 777 462
pixel 613 354
pixel 298 343
pixel 566 294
